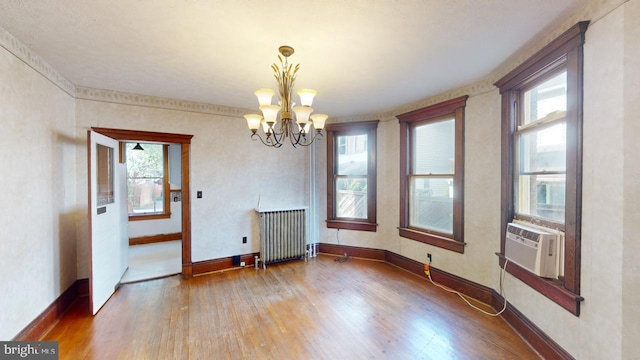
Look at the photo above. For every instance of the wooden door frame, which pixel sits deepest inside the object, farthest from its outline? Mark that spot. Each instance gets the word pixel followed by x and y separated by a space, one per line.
pixel 185 141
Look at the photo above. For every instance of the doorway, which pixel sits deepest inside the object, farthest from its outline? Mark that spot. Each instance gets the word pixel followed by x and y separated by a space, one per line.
pixel 185 142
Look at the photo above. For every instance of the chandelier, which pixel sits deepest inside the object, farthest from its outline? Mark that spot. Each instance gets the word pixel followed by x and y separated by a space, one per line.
pixel 276 133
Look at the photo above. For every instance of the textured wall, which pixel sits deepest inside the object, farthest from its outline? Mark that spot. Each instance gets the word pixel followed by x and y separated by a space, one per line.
pixel 39 213
pixel 631 180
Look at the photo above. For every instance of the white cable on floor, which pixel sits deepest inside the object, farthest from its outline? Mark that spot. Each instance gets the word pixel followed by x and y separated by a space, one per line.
pixel 467 301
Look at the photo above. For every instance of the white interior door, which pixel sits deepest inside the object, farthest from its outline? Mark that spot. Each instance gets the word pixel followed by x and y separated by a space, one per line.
pixel 107 262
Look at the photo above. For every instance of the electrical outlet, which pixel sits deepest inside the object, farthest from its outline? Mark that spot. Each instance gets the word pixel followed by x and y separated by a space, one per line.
pixel 244 239
pixel 429 258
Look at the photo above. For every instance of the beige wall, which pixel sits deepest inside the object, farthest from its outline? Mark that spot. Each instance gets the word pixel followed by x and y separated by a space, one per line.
pixel 37 220
pixel 631 184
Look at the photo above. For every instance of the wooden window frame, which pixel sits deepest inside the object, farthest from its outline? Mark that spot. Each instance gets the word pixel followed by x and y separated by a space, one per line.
pixel 451 108
pixel 166 213
pixel 565 51
pixel 368 128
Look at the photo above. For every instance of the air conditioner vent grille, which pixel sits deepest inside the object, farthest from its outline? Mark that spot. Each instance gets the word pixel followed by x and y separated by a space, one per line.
pixel 530 235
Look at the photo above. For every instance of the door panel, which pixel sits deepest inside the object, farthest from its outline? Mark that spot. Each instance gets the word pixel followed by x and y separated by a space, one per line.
pixel 105 214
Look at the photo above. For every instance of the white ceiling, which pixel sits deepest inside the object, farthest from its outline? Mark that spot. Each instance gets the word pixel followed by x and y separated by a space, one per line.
pixel 362 56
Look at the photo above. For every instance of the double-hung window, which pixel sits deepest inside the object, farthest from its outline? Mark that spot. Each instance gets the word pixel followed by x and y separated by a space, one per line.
pixel 432 174
pixel 147 181
pixel 351 175
pixel 542 157
pixel 540 152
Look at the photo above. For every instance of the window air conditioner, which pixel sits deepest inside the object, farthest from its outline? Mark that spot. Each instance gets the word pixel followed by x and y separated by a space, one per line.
pixel 533 249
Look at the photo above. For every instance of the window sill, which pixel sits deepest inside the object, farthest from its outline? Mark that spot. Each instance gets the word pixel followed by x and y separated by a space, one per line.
pixel 431 239
pixel 149 217
pixel 547 287
pixel 352 225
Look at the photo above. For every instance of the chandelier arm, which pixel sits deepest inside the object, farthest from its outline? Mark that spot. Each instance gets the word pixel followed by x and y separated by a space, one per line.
pixel 307 143
pixel 256 136
pixel 278 138
pixel 295 138
pixel 302 139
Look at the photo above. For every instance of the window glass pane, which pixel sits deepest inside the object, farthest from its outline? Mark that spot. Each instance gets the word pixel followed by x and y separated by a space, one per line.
pixel 431 204
pixel 434 148
pixel 544 150
pixel 145 178
pixel 546 98
pixel 145 195
pixel 104 175
pixel 542 196
pixel 352 155
pixel 351 197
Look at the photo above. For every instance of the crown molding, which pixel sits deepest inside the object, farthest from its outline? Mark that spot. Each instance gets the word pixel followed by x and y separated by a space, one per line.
pixel 22 52
pixel 117 97
pixel 471 90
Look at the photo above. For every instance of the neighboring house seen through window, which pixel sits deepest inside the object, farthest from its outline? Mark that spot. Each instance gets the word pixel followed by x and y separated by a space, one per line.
pixel 147 181
pixel 351 175
pixel 432 174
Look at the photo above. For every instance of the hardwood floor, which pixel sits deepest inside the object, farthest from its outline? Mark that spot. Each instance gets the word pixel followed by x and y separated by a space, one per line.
pixel 321 309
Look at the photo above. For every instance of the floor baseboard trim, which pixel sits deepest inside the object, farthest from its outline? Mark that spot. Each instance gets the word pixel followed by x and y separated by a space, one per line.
pixel 536 338
pixel 226 263
pixel 41 324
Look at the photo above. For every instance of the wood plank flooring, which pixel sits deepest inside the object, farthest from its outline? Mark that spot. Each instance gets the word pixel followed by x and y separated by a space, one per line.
pixel 321 309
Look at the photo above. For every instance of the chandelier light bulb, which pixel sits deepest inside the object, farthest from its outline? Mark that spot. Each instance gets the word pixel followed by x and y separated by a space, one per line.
pixel 319 120
pixel 270 113
pixel 306 96
pixel 264 96
pixel 253 121
pixel 302 113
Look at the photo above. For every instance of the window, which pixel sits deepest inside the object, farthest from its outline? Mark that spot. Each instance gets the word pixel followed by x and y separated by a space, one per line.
pixel 540 140
pixel 432 174
pixel 147 181
pixel 542 156
pixel 351 175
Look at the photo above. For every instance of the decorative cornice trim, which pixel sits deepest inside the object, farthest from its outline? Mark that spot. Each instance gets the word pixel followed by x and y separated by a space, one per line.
pixel 475 89
pixel 22 52
pixel 117 97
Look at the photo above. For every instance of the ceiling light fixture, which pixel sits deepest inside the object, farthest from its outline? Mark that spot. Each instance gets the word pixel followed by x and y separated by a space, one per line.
pixel 299 133
pixel 138 147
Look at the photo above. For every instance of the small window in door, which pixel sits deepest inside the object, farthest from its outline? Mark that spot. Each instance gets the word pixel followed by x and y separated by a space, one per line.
pixel 105 175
